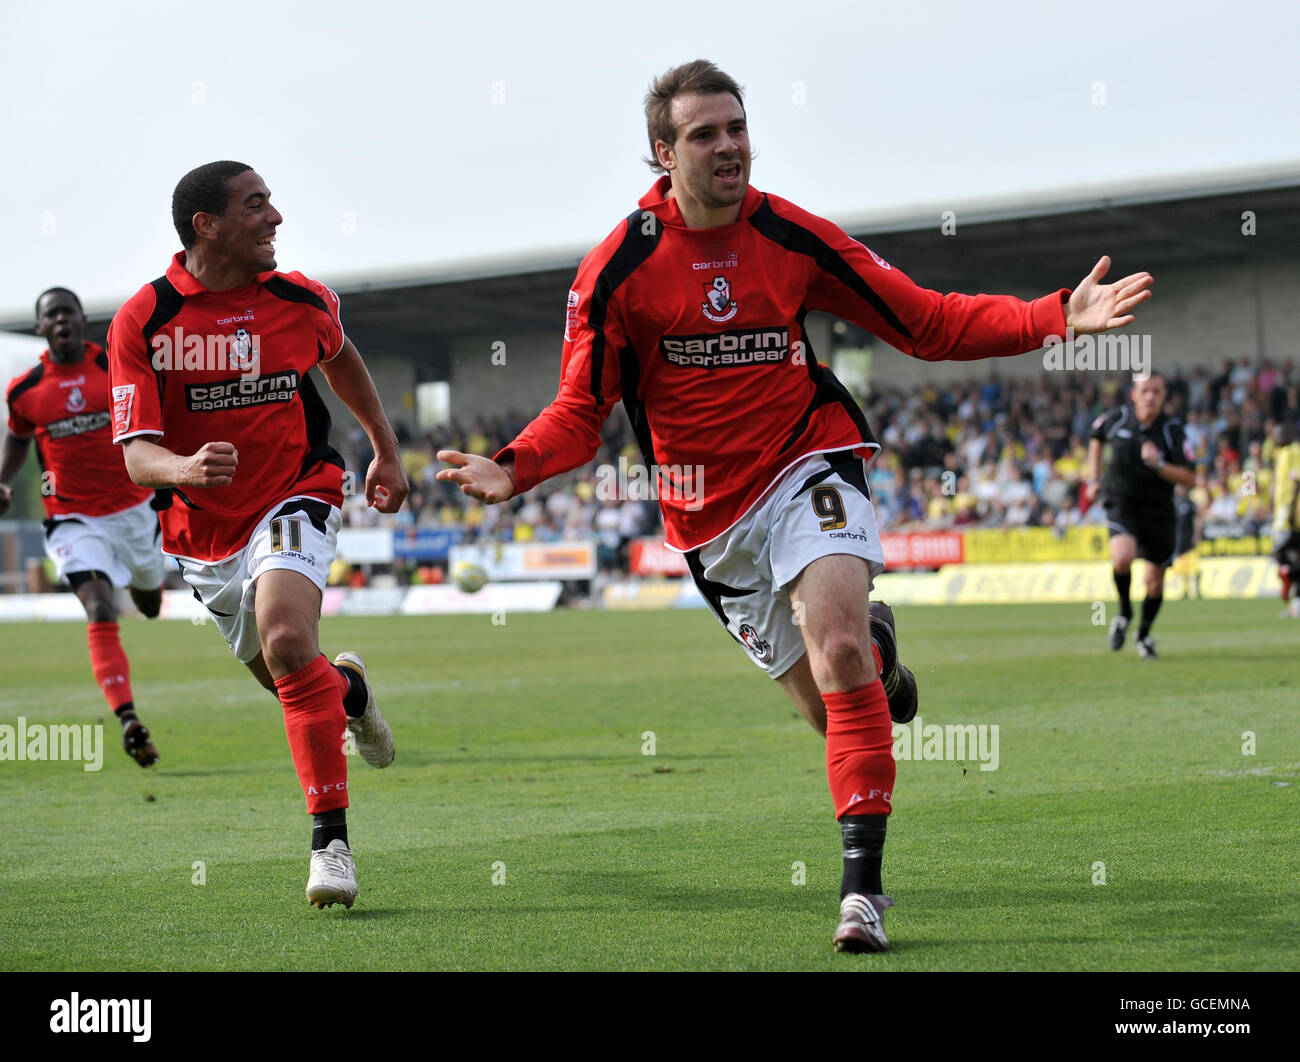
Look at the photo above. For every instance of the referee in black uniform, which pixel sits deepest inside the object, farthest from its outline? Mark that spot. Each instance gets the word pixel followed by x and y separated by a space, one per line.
pixel 1148 455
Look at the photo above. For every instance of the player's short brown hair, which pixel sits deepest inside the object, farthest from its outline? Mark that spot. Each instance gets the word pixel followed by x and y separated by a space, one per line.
pixel 700 77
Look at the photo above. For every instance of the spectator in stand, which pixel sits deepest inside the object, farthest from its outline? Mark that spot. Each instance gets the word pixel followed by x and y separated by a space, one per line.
pixel 1198 438
pixel 608 524
pixel 1017 497
pixel 1267 378
pixel 1241 379
pixel 1219 384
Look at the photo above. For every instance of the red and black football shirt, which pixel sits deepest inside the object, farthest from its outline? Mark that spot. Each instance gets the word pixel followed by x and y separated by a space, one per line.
pixel 700 333
pixel 65 408
pixel 195 366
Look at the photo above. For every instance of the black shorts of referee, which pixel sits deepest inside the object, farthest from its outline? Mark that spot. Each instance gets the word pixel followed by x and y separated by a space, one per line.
pixel 1152 526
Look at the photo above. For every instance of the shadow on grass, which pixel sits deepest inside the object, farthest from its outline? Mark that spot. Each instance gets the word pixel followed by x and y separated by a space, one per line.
pixel 651 890
pixel 367 914
pixel 163 773
pixel 442 758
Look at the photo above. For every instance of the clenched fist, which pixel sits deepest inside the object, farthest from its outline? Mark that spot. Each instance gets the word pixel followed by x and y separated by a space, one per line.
pixel 213 466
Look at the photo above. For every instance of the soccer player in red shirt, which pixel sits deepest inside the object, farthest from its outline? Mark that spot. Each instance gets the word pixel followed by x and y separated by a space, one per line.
pixel 691 312
pixel 213 400
pixel 100 529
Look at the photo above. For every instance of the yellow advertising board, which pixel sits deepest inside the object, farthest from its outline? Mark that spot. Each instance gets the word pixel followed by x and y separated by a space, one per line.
pixel 987 584
pixel 1017 545
pixel 1020 545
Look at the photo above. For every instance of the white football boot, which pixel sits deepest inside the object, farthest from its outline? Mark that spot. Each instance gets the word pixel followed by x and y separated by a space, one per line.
pixel 370 730
pixel 333 877
pixel 862 923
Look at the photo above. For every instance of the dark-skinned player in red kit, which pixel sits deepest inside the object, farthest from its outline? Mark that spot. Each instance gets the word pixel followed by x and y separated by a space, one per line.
pixel 213 400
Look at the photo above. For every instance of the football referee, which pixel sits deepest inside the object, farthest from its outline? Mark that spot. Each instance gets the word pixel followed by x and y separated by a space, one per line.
pixel 1148 455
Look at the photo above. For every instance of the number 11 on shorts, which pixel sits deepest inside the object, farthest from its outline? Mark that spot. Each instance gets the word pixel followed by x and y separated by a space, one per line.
pixel 277 536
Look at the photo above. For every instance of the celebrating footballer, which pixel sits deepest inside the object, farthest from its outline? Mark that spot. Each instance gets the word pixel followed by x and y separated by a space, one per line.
pixel 101 530
pixel 213 401
pixel 691 313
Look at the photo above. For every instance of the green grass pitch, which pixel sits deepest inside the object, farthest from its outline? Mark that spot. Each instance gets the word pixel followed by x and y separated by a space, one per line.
pixel 522 827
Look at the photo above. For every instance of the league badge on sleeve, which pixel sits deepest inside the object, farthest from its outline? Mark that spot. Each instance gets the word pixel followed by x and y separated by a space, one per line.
pixel 571 316
pixel 123 399
pixel 874 257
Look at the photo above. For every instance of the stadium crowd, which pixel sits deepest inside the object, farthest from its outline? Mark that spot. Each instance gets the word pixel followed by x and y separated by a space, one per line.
pixel 992 452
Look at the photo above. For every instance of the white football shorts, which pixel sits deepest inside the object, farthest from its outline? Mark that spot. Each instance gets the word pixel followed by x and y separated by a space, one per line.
pixel 299 534
pixel 124 545
pixel 820 507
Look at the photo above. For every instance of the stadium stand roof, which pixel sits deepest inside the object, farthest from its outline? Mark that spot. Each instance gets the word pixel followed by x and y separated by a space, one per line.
pixel 1026 243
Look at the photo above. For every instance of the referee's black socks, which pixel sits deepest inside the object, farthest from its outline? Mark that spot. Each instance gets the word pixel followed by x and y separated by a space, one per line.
pixel 1150 606
pixel 1122 583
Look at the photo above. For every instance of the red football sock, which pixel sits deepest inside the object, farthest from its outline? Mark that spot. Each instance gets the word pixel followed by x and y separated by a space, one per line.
pixel 108 662
pixel 1285 575
pixel 860 750
pixel 314 721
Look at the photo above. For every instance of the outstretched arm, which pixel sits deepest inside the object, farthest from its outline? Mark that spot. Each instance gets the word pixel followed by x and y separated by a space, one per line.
pixel 566 433
pixel 479 477
pixel 1097 307
pixel 849 280
pixel 348 377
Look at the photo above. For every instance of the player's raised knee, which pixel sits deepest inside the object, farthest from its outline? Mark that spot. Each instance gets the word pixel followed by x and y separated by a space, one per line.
pixel 287 648
pixel 847 660
pixel 94 590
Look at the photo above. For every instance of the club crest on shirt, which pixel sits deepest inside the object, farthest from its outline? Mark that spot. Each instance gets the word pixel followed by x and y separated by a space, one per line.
pixel 760 647
pixel 242 354
pixel 718 305
pixel 76 400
